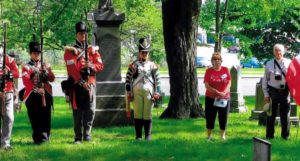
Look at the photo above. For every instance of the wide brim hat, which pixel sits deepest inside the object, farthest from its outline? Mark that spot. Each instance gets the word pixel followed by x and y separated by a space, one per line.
pixel 268 108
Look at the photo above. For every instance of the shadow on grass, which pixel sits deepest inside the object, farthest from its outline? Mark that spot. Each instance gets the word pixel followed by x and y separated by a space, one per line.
pixel 172 140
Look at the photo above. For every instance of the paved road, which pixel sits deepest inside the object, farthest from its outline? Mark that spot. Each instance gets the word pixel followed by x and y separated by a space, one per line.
pixel 55 86
pixel 248 85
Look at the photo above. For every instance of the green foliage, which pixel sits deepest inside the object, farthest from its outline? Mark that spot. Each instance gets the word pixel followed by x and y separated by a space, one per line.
pixel 259 24
pixel 277 24
pixel 207 16
pixel 172 140
pixel 59 18
pixel 284 31
pixel 145 18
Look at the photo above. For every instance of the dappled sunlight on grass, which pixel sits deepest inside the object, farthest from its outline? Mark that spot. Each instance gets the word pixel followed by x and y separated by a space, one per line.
pixel 172 139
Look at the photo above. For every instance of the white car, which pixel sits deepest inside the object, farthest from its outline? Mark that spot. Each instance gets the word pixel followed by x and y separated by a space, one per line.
pixel 202 62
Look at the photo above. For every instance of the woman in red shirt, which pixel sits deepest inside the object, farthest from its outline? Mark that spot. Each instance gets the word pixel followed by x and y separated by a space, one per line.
pixel 217 82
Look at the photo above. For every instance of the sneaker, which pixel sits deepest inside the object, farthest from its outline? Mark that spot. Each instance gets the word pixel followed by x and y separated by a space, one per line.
pixel 148 138
pixel 77 142
pixel 88 139
pixel 138 139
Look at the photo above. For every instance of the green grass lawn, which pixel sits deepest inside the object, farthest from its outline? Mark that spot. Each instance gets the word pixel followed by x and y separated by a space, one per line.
pixel 172 140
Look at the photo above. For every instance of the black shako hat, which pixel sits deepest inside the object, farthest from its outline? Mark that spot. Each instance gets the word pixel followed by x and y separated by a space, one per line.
pixel 80 27
pixel 144 45
pixel 34 47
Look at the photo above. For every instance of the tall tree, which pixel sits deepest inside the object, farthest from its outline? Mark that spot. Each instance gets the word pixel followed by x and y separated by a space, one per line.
pixel 217 26
pixel 59 18
pixel 258 24
pixel 220 25
pixel 180 28
pixel 143 16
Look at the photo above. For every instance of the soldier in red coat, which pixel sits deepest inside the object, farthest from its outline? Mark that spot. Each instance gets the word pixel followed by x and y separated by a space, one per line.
pixel 82 82
pixel 38 94
pixel 7 111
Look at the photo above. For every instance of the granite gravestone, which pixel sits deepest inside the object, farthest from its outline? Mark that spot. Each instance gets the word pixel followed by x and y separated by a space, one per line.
pixel 110 89
pixel 294 120
pixel 259 101
pixel 261 150
pixel 261 116
pixel 237 103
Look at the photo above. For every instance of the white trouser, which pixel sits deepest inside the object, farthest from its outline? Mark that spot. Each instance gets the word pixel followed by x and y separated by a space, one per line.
pixel 142 101
pixel 7 118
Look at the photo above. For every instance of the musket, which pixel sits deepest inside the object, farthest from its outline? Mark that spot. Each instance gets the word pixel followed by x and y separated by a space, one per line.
pixel 88 72
pixel 4 57
pixel 42 42
pixel 3 67
pixel 42 64
pixel 85 44
pixel 85 72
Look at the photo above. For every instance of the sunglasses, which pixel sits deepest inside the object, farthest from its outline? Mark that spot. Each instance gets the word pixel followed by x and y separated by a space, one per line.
pixel 217 59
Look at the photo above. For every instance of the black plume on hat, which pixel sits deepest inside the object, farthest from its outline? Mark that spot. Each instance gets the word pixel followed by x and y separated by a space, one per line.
pixel 144 44
pixel 34 47
pixel 80 27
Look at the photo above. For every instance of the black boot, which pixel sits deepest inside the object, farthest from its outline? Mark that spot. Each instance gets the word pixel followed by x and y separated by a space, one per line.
pixel 138 125
pixel 148 127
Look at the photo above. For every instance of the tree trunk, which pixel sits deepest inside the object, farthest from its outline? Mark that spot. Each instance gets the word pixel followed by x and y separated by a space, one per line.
pixel 220 25
pixel 218 40
pixel 180 23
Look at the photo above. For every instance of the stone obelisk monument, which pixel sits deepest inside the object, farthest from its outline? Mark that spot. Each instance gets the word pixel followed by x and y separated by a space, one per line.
pixel 110 90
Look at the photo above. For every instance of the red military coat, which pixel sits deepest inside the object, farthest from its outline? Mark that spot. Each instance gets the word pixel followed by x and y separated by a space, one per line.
pixel 75 62
pixel 12 67
pixel 27 71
